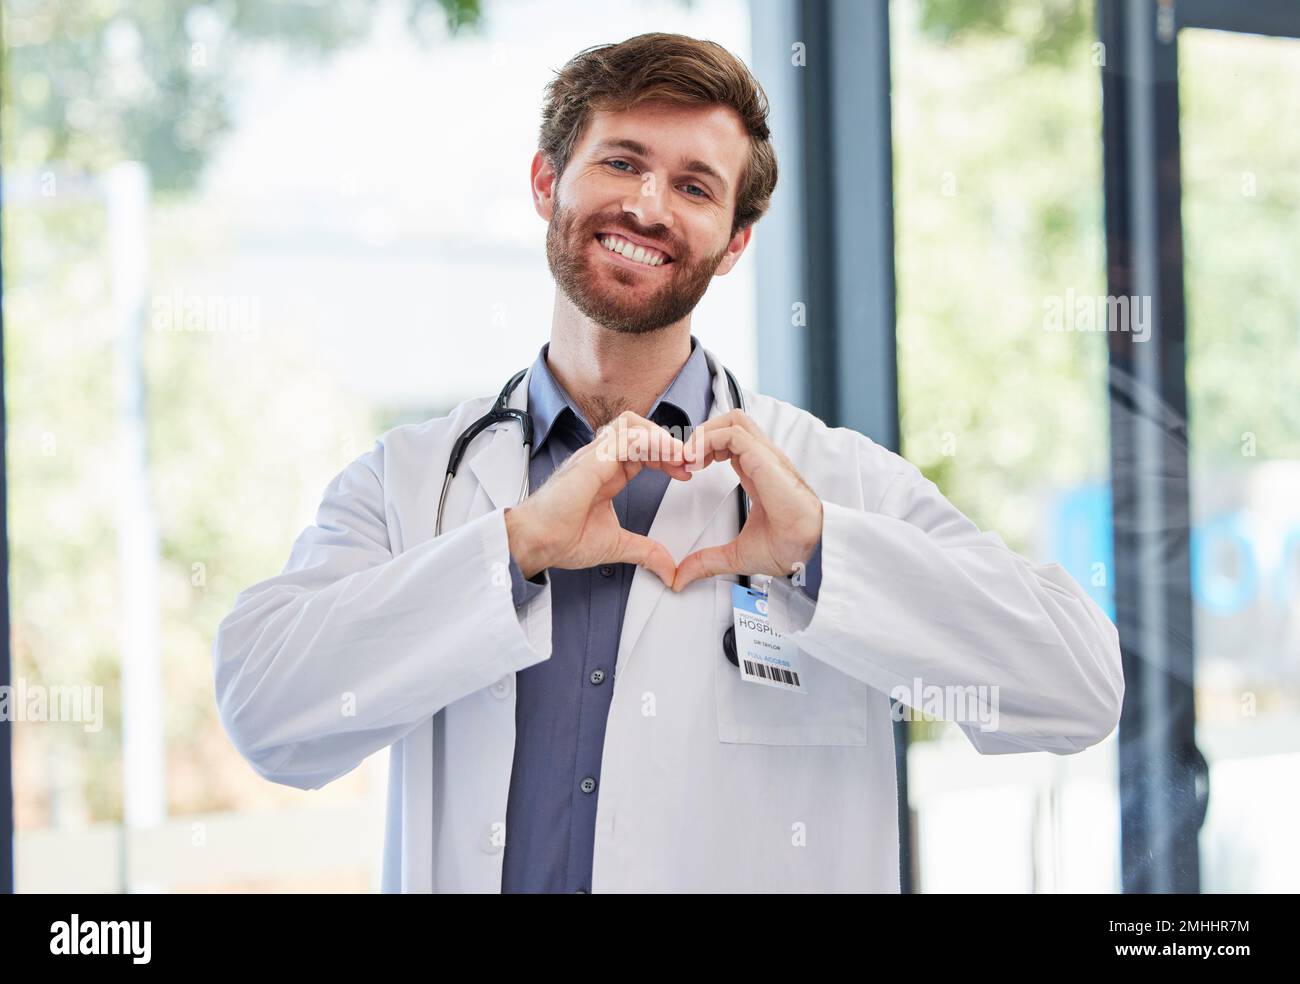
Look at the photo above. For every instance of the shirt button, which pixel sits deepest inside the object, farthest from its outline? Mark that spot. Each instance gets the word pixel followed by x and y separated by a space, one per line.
pixel 607 571
pixel 502 688
pixel 579 891
pixel 588 784
pixel 492 837
pixel 598 677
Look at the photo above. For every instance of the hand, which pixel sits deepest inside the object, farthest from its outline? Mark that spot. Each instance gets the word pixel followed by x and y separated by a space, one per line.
pixel 785 515
pixel 570 521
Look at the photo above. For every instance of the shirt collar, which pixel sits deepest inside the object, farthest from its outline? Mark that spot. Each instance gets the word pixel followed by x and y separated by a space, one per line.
pixel 686 401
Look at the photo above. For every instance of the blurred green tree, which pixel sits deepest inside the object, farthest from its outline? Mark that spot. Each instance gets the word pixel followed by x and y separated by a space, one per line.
pixel 90 84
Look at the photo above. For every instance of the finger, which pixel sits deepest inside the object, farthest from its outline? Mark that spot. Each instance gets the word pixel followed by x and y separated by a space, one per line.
pixel 747 484
pixel 735 418
pixel 717 443
pixel 605 468
pixel 633 548
pixel 614 479
pixel 709 562
pixel 631 437
pixel 723 443
pixel 636 448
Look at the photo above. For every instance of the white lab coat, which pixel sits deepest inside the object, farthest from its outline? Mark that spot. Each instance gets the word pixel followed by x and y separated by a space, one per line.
pixel 378 635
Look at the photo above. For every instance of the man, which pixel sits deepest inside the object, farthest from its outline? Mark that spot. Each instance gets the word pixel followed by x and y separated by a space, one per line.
pixel 549 674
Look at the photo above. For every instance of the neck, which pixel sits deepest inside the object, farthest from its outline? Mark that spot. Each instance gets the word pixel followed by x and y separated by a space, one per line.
pixel 607 372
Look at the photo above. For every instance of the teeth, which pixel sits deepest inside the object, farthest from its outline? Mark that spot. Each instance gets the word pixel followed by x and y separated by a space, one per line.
pixel 639 254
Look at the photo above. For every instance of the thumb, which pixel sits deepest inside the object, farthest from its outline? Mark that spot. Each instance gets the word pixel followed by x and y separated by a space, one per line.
pixel 708 562
pixel 633 548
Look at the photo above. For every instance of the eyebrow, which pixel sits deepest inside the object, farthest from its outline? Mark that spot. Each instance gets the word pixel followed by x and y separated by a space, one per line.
pixel 690 166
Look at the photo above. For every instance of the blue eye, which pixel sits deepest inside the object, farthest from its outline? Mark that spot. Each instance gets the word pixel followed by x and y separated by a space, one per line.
pixel 614 162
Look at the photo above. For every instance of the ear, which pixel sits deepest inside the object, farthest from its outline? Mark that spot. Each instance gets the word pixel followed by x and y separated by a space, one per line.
pixel 543 180
pixel 734 248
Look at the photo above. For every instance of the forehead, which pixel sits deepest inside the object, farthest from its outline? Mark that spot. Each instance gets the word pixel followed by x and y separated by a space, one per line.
pixel 674 136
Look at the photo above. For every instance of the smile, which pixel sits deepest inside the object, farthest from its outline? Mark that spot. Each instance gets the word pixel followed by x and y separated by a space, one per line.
pixel 632 252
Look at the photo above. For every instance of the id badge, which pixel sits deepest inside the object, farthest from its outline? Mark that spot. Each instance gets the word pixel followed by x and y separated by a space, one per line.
pixel 765 657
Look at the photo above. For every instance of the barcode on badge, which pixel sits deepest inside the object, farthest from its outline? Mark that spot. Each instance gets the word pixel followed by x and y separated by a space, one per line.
pixel 773 674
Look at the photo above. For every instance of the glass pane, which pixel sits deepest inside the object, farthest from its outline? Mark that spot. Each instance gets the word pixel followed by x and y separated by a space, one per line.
pixel 1240 120
pixel 241 241
pixel 999 222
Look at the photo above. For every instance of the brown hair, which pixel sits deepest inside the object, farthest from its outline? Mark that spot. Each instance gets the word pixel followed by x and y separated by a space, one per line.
pixel 669 67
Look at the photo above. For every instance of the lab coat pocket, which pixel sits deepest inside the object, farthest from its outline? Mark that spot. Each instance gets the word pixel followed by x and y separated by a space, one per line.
pixel 833 711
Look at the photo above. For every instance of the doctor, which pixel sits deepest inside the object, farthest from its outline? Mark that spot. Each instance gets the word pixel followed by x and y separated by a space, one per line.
pixel 548 674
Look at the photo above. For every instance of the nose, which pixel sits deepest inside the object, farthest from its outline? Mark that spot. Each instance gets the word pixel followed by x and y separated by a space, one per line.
pixel 649 203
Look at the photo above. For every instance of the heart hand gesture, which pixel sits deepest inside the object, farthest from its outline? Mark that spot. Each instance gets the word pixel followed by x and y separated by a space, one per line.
pixel 785 515
pixel 570 521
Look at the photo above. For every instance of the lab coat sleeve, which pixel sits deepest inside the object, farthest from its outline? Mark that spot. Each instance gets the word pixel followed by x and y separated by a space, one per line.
pixel 912 592
pixel 350 648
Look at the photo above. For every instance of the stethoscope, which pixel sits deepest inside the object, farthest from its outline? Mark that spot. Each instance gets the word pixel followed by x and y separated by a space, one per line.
pixel 502 411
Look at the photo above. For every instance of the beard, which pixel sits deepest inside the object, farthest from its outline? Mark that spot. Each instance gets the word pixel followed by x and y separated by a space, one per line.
pixel 615 298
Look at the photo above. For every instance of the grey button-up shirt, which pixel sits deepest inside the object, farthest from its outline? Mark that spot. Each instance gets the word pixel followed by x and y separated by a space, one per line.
pixel 562 703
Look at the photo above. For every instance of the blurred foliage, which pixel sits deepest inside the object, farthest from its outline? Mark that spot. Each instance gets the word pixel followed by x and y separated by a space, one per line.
pixel 1241 186
pixel 87 85
pixel 219 531
pixel 998 207
pixel 62 525
pixel 998 199
pixel 91 83
pixel 997 192
pixel 1043 31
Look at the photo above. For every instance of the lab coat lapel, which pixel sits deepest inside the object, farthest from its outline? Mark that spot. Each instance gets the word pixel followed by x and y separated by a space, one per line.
pixel 685 513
